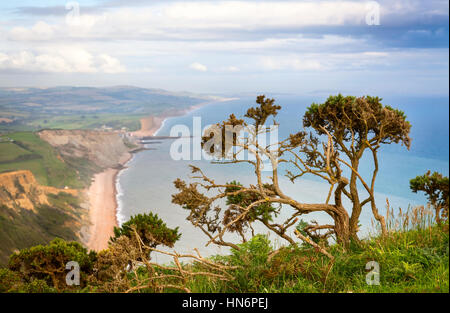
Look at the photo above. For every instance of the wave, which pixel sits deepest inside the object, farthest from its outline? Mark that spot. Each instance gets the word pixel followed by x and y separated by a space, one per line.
pixel 121 218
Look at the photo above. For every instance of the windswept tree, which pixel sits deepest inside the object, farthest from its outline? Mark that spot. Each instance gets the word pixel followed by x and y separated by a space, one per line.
pixel 436 188
pixel 356 125
pixel 350 126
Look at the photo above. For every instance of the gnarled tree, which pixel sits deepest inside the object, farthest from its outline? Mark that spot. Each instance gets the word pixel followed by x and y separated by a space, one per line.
pixel 356 125
pixel 350 125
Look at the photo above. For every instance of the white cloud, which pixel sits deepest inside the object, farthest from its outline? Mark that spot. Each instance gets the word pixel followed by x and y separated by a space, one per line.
pixel 60 60
pixel 40 31
pixel 198 67
pixel 108 64
pixel 198 20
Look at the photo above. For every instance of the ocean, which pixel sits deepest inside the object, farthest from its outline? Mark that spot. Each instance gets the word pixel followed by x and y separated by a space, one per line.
pixel 147 183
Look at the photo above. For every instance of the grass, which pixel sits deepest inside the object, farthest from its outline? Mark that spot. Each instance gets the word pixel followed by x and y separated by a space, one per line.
pixel 413 258
pixel 28 152
pixel 88 121
pixel 75 121
pixel 23 229
pixel 413 261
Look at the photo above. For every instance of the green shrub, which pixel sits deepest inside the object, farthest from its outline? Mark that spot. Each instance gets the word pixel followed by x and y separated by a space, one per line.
pixel 48 263
pixel 252 261
pixel 150 228
pixel 9 280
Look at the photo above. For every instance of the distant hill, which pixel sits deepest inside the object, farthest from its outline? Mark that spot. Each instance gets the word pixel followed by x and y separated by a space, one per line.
pixel 87 107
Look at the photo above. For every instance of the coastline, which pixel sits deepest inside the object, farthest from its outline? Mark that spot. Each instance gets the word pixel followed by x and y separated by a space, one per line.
pixel 103 206
pixel 104 192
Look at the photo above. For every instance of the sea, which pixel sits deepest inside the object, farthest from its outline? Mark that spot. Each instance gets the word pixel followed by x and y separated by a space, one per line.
pixel 146 185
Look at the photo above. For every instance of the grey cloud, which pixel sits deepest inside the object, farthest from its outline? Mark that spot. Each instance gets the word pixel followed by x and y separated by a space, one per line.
pixel 54 10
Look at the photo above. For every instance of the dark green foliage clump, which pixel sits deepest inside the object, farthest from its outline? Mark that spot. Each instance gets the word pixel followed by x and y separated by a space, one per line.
pixel 264 212
pixel 150 228
pixel 252 258
pixel 363 116
pixel 436 188
pixel 12 282
pixel 48 263
pixel 9 280
pixel 266 108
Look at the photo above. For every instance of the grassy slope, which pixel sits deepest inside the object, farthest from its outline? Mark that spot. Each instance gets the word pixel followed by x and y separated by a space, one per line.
pixel 411 261
pixel 29 152
pixel 24 229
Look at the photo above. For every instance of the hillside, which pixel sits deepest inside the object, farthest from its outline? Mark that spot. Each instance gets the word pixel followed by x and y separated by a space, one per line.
pixel 43 183
pixel 33 214
pixel 26 151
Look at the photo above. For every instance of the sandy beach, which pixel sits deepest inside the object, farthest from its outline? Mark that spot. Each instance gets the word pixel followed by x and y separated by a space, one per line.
pixel 103 207
pixel 102 194
pixel 149 126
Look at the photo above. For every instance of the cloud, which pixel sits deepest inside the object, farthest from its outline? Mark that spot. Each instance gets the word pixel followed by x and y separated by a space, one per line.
pixel 39 31
pixel 198 67
pixel 212 20
pixel 57 10
pixel 299 40
pixel 403 23
pixel 62 60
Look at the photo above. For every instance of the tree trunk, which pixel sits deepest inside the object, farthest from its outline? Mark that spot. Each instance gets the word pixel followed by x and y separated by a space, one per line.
pixel 356 210
pixel 340 215
pixel 341 226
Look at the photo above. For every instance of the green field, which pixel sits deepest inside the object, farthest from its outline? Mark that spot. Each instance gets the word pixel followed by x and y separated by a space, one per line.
pixel 88 121
pixel 26 151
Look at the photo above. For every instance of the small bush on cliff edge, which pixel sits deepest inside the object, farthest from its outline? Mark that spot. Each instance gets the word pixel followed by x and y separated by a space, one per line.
pixel 150 228
pixel 48 263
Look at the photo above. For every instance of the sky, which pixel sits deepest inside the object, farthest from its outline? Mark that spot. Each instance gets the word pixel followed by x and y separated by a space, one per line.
pixel 389 47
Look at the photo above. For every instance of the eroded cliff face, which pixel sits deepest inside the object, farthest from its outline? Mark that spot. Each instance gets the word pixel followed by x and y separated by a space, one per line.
pixel 32 214
pixel 20 190
pixel 104 149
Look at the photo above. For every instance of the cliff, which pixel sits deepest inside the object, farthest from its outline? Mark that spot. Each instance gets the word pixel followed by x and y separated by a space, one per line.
pixel 104 149
pixel 88 152
pixel 20 190
pixel 32 214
